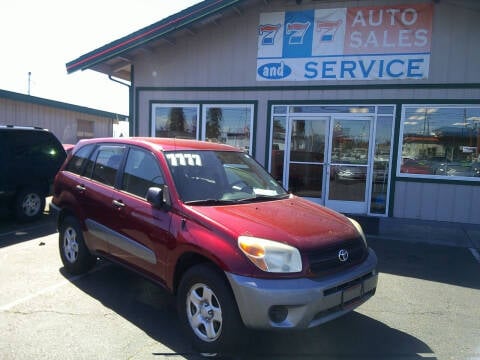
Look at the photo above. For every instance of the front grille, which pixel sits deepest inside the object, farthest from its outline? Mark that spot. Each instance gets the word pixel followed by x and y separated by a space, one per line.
pixel 326 260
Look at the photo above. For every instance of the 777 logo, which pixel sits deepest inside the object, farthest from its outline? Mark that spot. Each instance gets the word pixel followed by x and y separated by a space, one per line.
pixel 268 33
pixel 327 29
pixel 296 32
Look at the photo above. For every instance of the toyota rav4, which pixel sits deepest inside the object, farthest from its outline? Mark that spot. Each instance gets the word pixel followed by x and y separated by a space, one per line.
pixel 209 224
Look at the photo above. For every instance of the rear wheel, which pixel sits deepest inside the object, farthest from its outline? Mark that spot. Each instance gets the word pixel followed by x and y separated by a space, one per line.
pixel 29 204
pixel 76 257
pixel 208 310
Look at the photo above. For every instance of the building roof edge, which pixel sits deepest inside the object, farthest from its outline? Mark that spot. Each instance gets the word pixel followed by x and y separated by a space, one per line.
pixel 161 28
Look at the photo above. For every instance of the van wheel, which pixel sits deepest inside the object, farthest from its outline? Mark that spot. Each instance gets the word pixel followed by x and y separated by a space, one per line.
pixel 76 257
pixel 29 204
pixel 208 311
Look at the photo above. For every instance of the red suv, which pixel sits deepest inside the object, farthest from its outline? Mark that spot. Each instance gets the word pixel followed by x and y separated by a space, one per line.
pixel 208 223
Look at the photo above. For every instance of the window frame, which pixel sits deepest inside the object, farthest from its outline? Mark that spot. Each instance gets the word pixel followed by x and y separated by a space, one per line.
pixel 124 173
pixel 246 105
pixel 156 105
pixel 413 176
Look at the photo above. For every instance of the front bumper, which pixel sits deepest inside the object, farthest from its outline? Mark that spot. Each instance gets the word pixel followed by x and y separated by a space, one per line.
pixel 304 302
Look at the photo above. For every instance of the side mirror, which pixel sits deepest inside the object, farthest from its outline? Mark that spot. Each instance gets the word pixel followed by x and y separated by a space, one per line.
pixel 159 197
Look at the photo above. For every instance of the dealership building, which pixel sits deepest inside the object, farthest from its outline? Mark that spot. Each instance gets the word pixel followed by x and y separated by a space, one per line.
pixel 367 107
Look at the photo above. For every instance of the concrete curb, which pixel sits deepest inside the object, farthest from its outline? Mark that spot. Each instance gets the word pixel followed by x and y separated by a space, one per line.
pixel 422 231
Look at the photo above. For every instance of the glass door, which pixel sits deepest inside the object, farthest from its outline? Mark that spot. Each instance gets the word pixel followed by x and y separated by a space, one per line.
pixel 306 157
pixel 348 170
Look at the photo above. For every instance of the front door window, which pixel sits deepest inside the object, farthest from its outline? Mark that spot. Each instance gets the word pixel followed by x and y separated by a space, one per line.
pixel 333 157
pixel 349 164
pixel 307 157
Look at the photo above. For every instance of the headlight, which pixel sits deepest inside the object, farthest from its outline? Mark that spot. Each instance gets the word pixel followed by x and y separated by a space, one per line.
pixel 271 256
pixel 359 229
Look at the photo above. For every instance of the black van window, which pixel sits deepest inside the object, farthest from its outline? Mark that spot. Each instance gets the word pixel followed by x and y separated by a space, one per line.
pixel 33 145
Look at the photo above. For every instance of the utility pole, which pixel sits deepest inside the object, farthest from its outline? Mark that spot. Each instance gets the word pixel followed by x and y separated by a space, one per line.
pixel 29 78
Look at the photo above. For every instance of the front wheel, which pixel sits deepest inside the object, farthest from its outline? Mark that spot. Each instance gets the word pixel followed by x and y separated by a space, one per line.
pixel 76 257
pixel 208 310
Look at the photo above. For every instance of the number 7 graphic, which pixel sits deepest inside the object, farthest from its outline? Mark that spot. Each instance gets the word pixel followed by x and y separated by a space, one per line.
pixel 296 32
pixel 268 33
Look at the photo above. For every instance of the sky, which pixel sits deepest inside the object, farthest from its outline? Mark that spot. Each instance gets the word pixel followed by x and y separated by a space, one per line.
pixel 41 36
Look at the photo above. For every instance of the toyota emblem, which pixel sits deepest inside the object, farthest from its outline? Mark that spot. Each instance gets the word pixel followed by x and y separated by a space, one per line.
pixel 343 255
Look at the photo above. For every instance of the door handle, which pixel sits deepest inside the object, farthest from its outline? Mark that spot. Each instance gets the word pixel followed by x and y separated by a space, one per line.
pixel 80 187
pixel 118 204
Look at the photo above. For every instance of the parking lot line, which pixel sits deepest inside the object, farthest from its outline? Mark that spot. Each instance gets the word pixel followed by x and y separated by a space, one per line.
pixel 48 289
pixel 7 307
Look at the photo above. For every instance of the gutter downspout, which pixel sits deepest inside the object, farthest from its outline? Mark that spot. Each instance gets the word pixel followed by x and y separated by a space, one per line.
pixel 131 121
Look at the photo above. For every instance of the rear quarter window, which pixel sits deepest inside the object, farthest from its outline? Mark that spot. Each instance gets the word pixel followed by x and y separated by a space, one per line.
pixel 79 160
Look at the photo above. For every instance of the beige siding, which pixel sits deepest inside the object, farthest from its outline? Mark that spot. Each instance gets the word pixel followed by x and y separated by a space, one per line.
pixel 441 202
pixel 225 54
pixel 63 123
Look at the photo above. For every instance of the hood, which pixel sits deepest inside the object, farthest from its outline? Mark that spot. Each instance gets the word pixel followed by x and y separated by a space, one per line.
pixel 293 221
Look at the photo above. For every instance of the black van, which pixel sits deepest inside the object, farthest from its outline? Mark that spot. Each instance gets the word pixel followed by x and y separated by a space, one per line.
pixel 29 160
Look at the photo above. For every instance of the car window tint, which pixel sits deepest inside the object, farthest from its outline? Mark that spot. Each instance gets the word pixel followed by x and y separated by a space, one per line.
pixel 79 159
pixel 36 145
pixel 141 172
pixel 107 163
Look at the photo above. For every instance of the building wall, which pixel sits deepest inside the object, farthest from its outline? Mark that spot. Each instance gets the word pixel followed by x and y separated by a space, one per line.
pixel 225 54
pixel 441 202
pixel 219 63
pixel 63 123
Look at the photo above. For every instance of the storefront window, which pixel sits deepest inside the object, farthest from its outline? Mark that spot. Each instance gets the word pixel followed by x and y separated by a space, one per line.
pixel 175 121
pixel 338 156
pixel 279 109
pixel 331 109
pixel 440 142
pixel 229 124
pixel 381 165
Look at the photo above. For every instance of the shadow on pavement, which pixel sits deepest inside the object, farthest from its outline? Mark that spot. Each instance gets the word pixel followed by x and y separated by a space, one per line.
pixel 444 264
pixel 13 232
pixel 152 309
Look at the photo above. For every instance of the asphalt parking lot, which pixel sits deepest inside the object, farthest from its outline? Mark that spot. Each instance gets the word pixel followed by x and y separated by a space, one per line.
pixel 426 306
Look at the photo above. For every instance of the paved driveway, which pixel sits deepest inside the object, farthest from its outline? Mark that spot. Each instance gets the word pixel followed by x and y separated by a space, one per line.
pixel 426 306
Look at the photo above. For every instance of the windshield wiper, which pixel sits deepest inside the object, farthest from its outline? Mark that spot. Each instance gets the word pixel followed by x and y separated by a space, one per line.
pixel 264 198
pixel 208 202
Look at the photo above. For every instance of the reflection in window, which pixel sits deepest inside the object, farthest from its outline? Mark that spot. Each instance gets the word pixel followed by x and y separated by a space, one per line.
pixel 308 141
pixel 175 121
pixel 229 124
pixel 350 141
pixel 305 179
pixel 141 172
pixel 441 141
pixel 381 165
pixel 107 163
pixel 278 147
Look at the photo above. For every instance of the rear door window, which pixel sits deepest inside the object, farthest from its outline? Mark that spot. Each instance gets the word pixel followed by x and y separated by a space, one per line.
pixel 79 160
pixel 107 162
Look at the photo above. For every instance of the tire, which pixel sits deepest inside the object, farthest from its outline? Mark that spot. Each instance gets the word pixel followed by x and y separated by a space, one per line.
pixel 208 310
pixel 76 257
pixel 29 204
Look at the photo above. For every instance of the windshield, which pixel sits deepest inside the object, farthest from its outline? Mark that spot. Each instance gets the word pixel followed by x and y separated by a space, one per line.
pixel 221 177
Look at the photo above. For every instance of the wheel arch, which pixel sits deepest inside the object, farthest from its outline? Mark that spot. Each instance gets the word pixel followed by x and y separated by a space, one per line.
pixel 188 260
